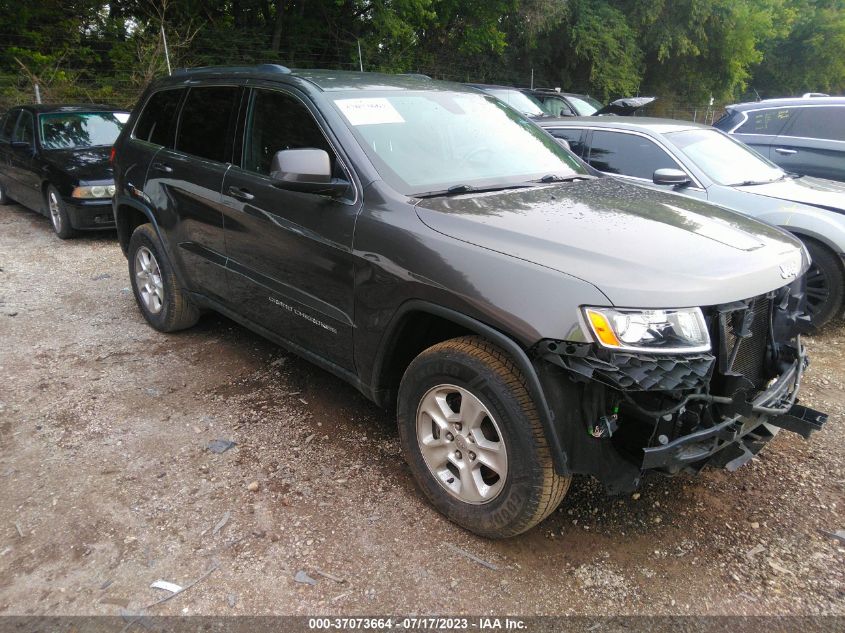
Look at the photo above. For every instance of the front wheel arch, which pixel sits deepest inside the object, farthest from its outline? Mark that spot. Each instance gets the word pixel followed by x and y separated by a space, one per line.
pixel 497 337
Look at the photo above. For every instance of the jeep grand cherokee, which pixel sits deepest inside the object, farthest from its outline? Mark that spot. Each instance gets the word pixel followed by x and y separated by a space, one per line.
pixel 442 253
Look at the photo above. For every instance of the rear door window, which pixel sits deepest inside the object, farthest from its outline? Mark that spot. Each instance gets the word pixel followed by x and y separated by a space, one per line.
pixel 628 155
pixel 278 121
pixel 770 121
pixel 827 122
pixel 25 129
pixel 206 123
pixel 157 123
pixel 575 138
pixel 7 125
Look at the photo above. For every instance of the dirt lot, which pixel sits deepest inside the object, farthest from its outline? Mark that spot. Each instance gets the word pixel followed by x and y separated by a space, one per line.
pixel 107 484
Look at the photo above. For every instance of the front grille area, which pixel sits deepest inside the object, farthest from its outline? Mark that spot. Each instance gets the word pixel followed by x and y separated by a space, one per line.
pixel 745 334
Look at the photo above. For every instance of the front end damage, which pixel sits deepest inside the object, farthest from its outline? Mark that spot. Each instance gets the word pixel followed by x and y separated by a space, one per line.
pixel 620 414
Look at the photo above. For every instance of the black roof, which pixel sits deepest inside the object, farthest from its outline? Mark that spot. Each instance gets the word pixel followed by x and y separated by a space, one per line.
pixel 785 102
pixel 632 123
pixel 42 108
pixel 324 80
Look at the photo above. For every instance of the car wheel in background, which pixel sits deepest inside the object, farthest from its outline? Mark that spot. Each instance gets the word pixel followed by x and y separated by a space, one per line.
pixel 825 284
pixel 58 214
pixel 164 304
pixel 472 437
pixel 4 197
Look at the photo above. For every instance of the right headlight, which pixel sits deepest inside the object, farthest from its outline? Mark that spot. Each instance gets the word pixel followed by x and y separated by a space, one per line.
pixel 682 330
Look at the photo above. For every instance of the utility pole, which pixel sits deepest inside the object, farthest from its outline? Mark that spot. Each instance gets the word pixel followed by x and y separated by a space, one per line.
pixel 532 79
pixel 166 52
pixel 37 93
pixel 360 59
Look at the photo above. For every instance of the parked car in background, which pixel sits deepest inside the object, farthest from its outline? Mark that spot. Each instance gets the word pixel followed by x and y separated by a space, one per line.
pixel 804 135
pixel 700 162
pixel 515 98
pixel 559 104
pixel 54 159
pixel 437 250
pixel 544 103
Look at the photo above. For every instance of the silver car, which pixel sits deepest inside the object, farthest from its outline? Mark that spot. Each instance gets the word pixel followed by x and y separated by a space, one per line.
pixel 701 162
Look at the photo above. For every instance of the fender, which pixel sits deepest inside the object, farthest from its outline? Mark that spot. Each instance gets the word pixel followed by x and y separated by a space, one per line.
pixel 501 339
pixel 123 200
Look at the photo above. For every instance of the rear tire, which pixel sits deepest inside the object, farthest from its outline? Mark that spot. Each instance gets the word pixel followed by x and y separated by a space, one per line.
pixel 162 301
pixel 58 215
pixel 471 391
pixel 825 284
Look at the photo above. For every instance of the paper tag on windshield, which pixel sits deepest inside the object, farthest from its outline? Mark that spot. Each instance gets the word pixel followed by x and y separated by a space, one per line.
pixel 369 111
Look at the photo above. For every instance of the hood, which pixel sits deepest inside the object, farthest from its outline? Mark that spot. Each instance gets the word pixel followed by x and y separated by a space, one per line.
pixel 84 164
pixel 815 192
pixel 640 247
pixel 625 107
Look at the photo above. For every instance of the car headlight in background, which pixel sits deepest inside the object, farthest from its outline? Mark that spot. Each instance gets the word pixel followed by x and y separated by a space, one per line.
pixel 681 330
pixel 93 191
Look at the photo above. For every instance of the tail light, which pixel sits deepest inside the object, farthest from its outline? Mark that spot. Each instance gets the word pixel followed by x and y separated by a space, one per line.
pixel 111 156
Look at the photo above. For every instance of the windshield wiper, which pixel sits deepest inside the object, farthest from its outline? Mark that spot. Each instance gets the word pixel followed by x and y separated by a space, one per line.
pixel 555 178
pixel 458 189
pixel 750 183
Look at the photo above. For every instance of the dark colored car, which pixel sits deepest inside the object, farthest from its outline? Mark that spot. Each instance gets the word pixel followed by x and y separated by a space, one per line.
pixel 527 319
pixel 562 104
pixel 804 135
pixel 703 163
pixel 54 159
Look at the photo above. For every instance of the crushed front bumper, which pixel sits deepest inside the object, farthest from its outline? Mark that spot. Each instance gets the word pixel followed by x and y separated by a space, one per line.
pixel 734 441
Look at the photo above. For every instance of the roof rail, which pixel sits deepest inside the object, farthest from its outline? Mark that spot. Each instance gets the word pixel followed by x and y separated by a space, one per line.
pixel 263 68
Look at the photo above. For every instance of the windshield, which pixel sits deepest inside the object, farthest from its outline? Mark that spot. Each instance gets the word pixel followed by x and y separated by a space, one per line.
pixel 724 160
pixel 526 104
pixel 69 130
pixel 424 141
pixel 584 106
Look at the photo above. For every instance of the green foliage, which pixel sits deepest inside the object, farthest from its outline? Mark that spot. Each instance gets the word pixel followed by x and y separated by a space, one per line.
pixel 687 49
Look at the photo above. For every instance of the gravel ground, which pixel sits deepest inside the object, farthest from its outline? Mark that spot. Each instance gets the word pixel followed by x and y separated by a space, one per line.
pixel 107 483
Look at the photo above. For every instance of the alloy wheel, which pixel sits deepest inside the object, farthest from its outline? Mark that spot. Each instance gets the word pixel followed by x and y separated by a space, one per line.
pixel 818 289
pixel 148 280
pixel 461 444
pixel 55 211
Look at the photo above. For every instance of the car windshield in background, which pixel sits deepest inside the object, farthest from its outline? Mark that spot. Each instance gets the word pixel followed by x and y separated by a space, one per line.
pixel 431 140
pixel 585 106
pixel 723 159
pixel 72 130
pixel 526 104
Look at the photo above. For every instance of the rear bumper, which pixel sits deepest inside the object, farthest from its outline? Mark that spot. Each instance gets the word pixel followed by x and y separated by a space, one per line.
pixel 737 439
pixel 88 215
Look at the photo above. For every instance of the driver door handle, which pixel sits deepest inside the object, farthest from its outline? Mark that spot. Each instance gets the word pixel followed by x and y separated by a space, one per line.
pixel 163 167
pixel 240 193
pixel 786 152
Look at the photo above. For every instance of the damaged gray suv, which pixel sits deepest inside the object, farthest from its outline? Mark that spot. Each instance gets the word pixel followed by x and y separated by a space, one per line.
pixel 527 319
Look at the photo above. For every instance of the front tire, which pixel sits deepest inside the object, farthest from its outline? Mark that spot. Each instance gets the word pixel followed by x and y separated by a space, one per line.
pixel 164 304
pixel 825 284
pixel 473 439
pixel 59 218
pixel 4 196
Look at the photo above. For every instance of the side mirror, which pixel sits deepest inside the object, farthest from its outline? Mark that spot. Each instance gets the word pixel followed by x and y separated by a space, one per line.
pixel 672 177
pixel 563 142
pixel 21 145
pixel 306 170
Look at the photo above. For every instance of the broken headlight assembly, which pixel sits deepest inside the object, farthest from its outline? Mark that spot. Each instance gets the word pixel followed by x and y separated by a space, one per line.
pixel 681 330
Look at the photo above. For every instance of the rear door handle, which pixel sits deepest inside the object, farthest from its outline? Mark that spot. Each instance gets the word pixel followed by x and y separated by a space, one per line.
pixel 240 194
pixel 786 152
pixel 163 167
